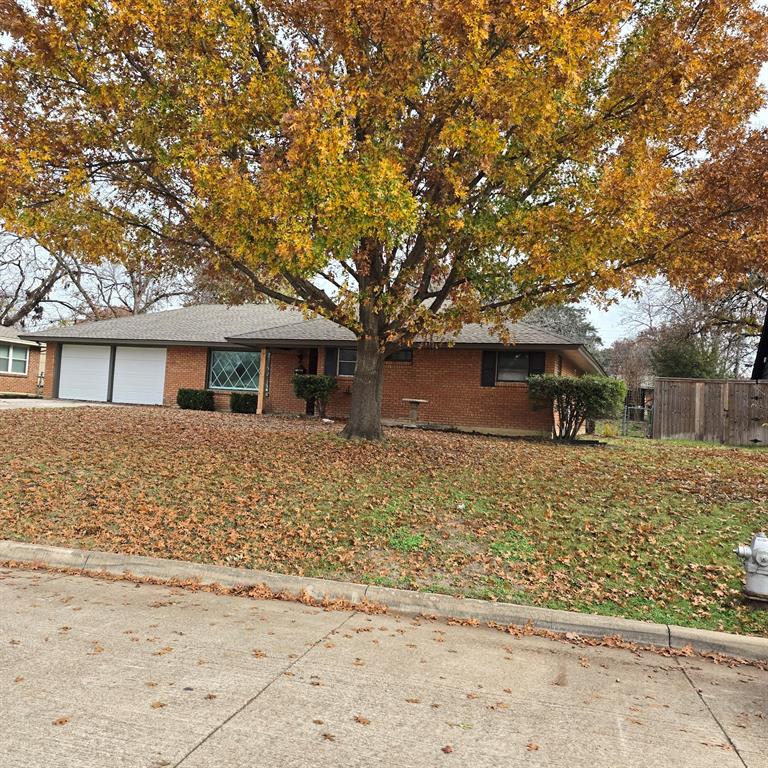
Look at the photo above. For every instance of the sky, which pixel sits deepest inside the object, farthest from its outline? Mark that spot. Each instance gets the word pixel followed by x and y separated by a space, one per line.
pixel 609 323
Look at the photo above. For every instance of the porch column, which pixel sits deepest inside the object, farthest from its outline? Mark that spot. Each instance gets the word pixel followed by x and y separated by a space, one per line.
pixel 262 381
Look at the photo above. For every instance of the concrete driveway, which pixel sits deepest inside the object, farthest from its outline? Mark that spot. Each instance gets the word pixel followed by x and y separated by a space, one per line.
pixel 106 674
pixel 15 403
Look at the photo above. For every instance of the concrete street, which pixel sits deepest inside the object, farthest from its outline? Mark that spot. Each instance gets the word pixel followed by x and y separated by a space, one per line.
pixel 98 673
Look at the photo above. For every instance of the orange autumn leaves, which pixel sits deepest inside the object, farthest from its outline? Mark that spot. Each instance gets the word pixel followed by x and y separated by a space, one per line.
pixel 348 153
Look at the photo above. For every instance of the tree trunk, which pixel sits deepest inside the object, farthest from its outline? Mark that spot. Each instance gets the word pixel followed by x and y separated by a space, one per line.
pixel 760 369
pixel 365 411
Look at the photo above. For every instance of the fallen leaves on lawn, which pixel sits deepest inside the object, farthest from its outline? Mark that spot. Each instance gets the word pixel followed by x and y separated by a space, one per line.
pixel 649 527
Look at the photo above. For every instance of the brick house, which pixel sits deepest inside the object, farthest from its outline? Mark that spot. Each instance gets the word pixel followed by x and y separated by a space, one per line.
pixel 470 380
pixel 19 363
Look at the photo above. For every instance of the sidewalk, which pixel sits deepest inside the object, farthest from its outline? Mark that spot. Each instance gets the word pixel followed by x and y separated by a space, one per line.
pixel 19 403
pixel 97 673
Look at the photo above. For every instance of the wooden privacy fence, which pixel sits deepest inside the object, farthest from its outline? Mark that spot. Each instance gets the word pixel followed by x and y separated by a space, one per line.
pixel 731 411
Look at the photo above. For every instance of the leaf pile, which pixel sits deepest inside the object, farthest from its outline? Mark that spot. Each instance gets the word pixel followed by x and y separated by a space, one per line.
pixel 637 529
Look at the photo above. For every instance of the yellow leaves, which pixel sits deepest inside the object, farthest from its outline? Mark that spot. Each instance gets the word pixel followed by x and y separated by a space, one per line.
pixel 528 144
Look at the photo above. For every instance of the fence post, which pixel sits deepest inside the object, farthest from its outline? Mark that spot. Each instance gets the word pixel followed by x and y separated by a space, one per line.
pixel 658 409
pixel 698 410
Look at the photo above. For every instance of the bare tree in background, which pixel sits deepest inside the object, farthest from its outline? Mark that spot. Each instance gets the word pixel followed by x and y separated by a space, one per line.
pixel 730 325
pixel 105 290
pixel 630 359
pixel 37 285
pixel 28 275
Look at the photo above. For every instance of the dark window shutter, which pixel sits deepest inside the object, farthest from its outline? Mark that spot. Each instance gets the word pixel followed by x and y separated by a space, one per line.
pixel 488 372
pixel 331 356
pixel 536 362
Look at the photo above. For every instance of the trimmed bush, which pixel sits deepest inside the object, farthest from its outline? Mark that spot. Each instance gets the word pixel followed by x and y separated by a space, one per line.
pixel 242 402
pixel 576 399
pixel 309 387
pixel 195 399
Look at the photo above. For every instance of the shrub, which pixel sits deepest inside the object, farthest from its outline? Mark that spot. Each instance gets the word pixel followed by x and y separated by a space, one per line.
pixel 242 402
pixel 195 399
pixel 311 387
pixel 576 399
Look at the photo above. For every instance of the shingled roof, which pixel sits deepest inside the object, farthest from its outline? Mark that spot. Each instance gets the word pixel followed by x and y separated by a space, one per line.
pixel 199 324
pixel 267 324
pixel 324 331
pixel 11 335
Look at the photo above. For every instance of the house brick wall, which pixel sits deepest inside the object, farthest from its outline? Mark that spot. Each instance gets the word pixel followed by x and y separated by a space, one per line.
pixel 51 355
pixel 283 362
pixel 569 369
pixel 188 367
pixel 449 379
pixel 185 368
pixel 23 384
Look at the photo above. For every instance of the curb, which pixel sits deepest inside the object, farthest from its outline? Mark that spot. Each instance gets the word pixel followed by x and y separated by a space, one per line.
pixel 397 600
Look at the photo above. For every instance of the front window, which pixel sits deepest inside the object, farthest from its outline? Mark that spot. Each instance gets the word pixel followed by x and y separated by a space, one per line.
pixel 401 356
pixel 234 369
pixel 347 362
pixel 512 366
pixel 14 359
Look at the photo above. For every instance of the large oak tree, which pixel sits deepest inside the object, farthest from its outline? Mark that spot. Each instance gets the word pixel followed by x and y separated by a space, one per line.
pixel 400 168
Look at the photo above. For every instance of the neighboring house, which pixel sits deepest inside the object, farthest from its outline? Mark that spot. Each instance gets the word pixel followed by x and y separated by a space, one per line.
pixel 469 380
pixel 19 363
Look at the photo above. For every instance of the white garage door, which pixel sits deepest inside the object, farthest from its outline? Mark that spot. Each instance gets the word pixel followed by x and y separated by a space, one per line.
pixel 139 375
pixel 84 373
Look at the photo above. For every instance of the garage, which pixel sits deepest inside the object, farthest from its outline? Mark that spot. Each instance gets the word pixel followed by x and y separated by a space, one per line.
pixel 139 375
pixel 115 374
pixel 84 372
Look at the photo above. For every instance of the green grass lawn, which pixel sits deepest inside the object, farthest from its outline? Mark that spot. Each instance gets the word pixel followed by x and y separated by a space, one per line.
pixel 633 528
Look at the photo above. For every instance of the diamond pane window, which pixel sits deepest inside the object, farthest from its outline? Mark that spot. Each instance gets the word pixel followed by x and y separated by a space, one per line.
pixel 232 369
